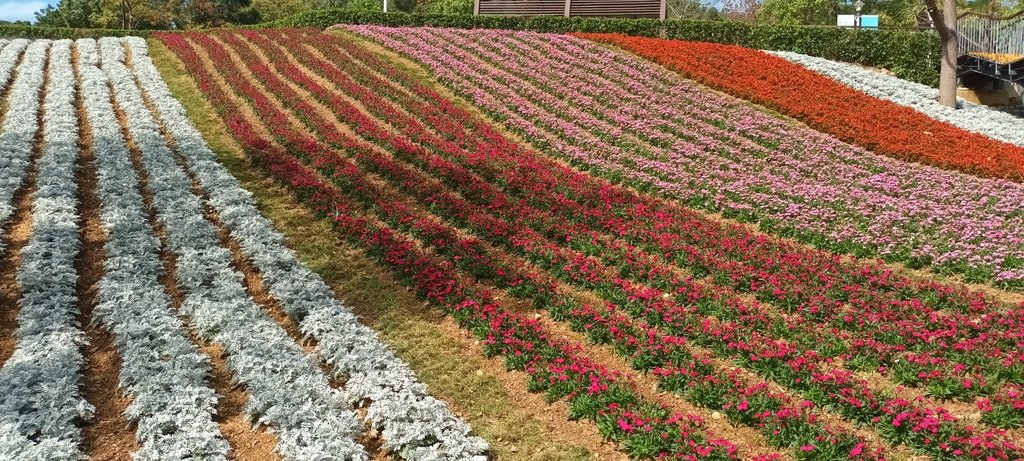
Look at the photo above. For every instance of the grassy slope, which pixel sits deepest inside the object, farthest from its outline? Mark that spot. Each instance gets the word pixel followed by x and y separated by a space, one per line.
pixel 413 331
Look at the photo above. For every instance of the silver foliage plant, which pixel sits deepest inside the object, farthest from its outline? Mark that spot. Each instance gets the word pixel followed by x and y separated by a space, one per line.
pixel 42 408
pixel 288 391
pixel 413 424
pixel 9 58
pixel 971 117
pixel 21 120
pixel 161 369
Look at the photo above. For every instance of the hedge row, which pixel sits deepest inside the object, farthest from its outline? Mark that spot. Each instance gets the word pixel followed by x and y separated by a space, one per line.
pixel 56 33
pixel 911 55
pixel 554 24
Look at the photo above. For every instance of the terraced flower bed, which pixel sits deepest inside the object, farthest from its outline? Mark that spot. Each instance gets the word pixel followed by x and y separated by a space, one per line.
pixel 535 221
pixel 819 357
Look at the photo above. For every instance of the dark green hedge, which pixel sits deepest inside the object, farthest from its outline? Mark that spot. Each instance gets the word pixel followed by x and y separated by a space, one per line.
pixel 555 24
pixel 62 32
pixel 910 55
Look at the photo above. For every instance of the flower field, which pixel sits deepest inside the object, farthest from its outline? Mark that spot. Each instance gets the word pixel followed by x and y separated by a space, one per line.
pixel 729 158
pixel 638 266
pixel 760 348
pixel 105 179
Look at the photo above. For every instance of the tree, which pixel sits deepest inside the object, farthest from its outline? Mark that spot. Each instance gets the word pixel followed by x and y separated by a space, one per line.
pixel 272 10
pixel 690 9
pixel 448 7
pixel 69 13
pixel 806 12
pixel 741 10
pixel 891 13
pixel 945 25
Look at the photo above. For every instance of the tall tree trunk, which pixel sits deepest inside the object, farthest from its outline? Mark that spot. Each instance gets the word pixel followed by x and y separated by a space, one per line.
pixel 945 24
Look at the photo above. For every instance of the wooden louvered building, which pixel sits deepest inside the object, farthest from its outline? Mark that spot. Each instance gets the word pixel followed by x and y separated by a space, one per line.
pixel 608 8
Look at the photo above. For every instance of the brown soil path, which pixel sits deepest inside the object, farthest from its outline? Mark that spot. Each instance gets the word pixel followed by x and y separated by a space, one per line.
pixel 109 436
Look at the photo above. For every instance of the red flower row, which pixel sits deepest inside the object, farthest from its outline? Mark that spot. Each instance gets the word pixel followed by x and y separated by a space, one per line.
pixel 829 106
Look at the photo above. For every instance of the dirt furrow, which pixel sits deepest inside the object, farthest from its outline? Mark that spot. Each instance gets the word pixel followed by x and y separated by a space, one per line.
pixel 109 436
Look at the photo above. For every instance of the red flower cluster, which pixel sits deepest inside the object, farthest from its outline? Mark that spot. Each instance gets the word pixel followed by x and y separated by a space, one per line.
pixel 829 106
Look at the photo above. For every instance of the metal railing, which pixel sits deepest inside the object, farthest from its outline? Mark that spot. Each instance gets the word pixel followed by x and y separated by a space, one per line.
pixel 984 34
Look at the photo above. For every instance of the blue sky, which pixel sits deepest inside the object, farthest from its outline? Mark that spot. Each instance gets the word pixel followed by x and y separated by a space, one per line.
pixel 21 10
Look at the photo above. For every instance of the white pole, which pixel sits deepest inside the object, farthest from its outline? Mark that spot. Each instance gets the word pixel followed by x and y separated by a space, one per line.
pixel 385 6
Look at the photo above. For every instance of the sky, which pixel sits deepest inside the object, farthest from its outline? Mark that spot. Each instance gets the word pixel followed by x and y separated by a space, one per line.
pixel 21 10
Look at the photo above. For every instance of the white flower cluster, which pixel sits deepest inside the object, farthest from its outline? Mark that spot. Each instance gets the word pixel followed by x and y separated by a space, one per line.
pixel 972 117
pixel 41 407
pixel 288 391
pixel 413 424
pixel 161 369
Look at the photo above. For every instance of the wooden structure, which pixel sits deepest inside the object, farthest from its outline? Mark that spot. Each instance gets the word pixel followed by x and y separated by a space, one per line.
pixel 992 46
pixel 609 8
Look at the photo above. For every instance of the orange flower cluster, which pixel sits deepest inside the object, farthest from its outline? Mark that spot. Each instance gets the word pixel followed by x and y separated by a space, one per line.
pixel 828 106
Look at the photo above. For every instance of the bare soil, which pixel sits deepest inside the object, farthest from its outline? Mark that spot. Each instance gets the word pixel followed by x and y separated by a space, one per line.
pixel 109 436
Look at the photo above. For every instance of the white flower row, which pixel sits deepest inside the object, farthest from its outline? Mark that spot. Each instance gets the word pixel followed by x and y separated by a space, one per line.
pixel 413 423
pixel 41 405
pixel 9 59
pixel 971 117
pixel 161 369
pixel 20 121
pixel 287 389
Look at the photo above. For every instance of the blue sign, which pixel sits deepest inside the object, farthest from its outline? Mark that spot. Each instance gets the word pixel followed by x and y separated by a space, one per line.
pixel 869 21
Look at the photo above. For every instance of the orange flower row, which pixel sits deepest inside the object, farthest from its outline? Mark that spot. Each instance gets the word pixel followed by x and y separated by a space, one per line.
pixel 828 106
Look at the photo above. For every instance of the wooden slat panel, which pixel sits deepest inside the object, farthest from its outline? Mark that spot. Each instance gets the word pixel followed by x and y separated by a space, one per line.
pixel 610 8
pixel 523 7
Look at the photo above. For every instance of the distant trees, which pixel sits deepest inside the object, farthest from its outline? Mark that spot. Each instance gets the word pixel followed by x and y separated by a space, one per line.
pixel 691 9
pixel 147 14
pixel 69 13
